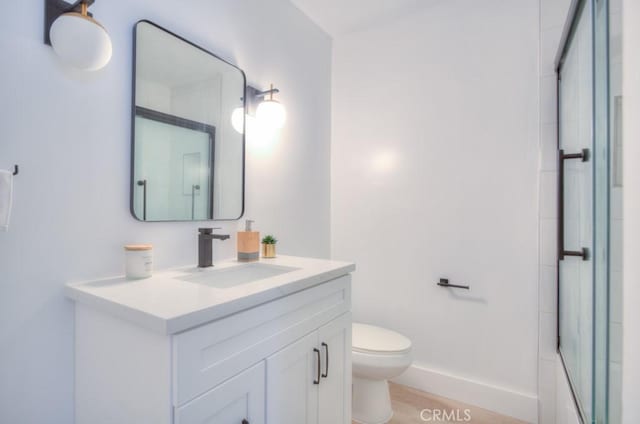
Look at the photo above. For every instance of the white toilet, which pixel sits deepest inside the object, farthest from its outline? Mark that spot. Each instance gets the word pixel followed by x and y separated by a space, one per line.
pixel 378 355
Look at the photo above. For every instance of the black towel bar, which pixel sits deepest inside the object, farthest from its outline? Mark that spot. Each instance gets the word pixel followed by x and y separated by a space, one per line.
pixel 445 283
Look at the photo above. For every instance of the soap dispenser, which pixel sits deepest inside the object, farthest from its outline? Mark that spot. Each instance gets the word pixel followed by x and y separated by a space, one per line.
pixel 248 243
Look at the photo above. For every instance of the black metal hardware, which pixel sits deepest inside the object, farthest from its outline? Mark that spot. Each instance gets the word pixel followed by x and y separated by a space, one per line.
pixel 267 92
pixel 444 282
pixel 326 357
pixel 143 184
pixel 254 92
pixel 317 380
pixel 16 170
pixel 562 157
pixel 558 119
pixel 245 422
pixel 54 8
pixel 584 253
pixel 205 245
pixel 255 96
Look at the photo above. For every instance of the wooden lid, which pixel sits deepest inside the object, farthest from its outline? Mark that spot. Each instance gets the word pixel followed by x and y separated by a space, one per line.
pixel 138 247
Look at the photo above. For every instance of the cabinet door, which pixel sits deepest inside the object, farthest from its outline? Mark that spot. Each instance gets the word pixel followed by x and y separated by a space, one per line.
pixel 292 394
pixel 239 398
pixel 335 383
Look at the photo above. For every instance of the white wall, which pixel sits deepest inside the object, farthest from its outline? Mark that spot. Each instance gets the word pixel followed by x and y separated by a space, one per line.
pixel 435 174
pixel 70 133
pixel 552 385
pixel 631 225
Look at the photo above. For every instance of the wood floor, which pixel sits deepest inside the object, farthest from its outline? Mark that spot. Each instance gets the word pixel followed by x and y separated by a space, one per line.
pixel 409 403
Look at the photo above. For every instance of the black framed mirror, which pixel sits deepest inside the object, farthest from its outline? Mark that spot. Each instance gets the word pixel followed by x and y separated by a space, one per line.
pixel 187 156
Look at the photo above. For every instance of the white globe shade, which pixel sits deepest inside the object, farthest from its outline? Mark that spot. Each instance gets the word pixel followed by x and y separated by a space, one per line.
pixel 259 136
pixel 237 119
pixel 271 114
pixel 80 41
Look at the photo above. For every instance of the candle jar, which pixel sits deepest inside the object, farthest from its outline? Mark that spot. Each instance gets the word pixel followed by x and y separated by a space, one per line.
pixel 139 261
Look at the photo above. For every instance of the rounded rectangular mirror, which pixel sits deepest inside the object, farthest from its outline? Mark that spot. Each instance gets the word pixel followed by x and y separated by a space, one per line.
pixel 187 157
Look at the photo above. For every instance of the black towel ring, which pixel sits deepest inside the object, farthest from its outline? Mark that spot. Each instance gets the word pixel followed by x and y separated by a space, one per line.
pixel 15 170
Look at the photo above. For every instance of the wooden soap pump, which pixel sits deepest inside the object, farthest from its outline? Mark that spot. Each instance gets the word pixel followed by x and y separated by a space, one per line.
pixel 248 243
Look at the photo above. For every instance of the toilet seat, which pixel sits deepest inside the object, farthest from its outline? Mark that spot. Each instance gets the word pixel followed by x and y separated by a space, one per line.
pixel 378 341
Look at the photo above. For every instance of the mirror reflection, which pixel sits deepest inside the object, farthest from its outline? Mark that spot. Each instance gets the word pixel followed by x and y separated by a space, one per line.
pixel 188 160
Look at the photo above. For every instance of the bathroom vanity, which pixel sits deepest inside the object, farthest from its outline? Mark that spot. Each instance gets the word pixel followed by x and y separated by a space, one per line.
pixel 266 342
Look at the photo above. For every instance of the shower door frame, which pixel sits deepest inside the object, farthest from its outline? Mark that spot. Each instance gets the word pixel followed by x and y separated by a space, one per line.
pixel 574 15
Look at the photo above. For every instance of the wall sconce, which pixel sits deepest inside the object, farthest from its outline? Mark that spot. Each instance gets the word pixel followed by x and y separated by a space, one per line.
pixel 269 113
pixel 77 38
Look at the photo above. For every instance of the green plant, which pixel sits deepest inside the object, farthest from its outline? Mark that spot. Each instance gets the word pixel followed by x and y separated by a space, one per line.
pixel 269 239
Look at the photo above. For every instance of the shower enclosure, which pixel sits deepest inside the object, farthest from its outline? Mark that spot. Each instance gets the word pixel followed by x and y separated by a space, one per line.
pixel 587 169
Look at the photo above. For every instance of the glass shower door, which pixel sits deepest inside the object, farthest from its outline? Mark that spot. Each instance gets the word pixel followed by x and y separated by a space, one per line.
pixel 583 233
pixel 575 235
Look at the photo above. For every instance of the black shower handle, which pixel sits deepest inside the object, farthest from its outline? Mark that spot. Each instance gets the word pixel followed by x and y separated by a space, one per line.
pixel 562 157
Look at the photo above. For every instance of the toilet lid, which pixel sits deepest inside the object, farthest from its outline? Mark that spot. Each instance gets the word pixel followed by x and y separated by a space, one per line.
pixel 369 338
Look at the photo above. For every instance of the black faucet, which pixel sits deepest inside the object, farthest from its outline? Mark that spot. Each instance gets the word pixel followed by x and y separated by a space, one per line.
pixel 205 245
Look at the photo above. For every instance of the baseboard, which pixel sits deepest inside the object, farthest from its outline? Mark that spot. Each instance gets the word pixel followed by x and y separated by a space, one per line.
pixel 498 399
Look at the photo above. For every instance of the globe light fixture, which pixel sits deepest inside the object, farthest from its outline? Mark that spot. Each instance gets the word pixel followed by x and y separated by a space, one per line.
pixel 237 119
pixel 271 113
pixel 78 39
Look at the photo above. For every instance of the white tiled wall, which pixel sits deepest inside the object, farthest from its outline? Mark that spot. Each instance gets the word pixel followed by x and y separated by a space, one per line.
pixel 553 14
pixel 616 225
pixel 631 242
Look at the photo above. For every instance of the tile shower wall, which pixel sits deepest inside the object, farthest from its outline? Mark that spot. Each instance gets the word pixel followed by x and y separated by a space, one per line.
pixel 616 214
pixel 70 133
pixel 554 399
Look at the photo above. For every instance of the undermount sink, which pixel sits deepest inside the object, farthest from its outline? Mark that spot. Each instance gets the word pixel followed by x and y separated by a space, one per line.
pixel 225 278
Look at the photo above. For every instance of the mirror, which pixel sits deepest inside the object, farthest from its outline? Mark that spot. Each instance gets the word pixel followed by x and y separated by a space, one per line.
pixel 187 158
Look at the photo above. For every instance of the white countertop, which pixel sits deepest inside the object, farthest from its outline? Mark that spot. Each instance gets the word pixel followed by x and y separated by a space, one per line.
pixel 168 305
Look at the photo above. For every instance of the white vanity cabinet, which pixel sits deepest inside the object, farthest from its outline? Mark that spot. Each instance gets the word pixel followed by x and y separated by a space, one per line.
pixel 238 400
pixel 284 361
pixel 310 380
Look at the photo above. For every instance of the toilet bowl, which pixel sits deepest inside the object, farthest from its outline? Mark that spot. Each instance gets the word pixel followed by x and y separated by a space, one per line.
pixel 378 355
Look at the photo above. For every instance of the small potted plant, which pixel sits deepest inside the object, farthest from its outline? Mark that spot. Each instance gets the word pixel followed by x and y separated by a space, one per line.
pixel 269 246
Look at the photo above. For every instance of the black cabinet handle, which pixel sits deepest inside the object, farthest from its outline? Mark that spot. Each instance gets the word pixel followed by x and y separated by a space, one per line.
pixel 326 357
pixel 562 157
pixel 317 380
